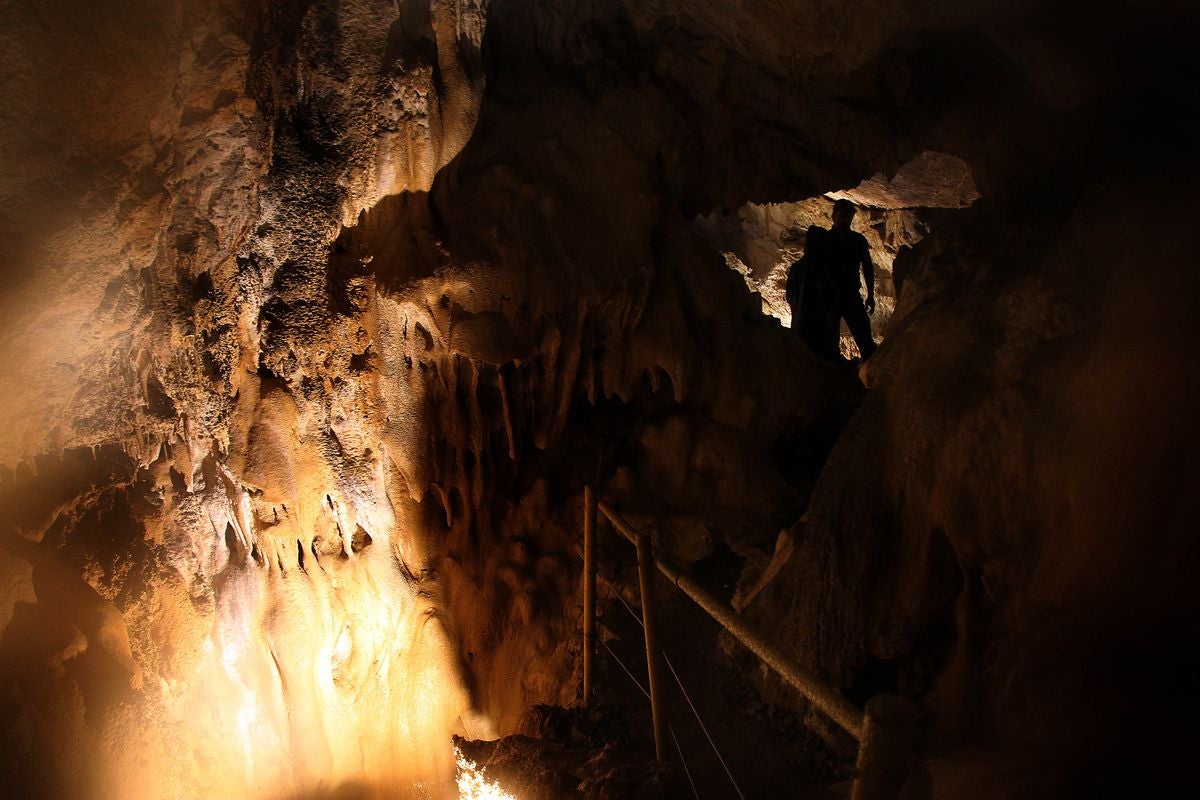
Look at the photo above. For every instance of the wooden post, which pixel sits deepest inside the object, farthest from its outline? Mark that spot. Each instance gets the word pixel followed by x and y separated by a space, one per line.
pixel 589 593
pixel 823 697
pixel 885 750
pixel 886 732
pixel 649 621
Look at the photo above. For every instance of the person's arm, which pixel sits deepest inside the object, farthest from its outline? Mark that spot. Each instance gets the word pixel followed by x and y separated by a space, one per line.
pixel 868 268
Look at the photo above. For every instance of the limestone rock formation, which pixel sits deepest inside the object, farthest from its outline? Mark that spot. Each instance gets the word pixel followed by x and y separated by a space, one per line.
pixel 317 316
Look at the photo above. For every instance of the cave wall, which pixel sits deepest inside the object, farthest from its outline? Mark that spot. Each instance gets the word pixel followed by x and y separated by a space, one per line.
pixel 307 441
pixel 763 241
pixel 1000 532
pixel 201 587
pixel 315 307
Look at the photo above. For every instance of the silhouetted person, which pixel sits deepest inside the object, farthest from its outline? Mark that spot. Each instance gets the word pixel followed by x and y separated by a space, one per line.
pixel 847 252
pixel 810 295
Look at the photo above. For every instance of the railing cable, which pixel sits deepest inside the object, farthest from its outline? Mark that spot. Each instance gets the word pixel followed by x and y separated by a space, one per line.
pixel 823 697
pixel 636 616
pixel 617 658
pixel 691 705
pixel 683 761
pixel 704 728
pixel 885 729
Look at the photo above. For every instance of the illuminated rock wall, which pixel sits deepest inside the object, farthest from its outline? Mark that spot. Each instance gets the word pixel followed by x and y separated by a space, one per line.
pixel 319 508
pixel 212 602
pixel 317 315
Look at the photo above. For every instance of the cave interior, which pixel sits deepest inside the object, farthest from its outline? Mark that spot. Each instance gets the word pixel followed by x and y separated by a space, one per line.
pixel 326 324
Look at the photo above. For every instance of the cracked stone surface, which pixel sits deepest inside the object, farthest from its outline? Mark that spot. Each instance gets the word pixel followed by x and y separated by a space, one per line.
pixel 318 315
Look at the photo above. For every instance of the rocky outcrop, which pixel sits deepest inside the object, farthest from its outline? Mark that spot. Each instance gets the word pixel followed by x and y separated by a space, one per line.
pixel 977 539
pixel 321 313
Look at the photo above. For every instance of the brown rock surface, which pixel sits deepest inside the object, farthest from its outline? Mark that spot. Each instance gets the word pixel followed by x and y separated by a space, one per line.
pixel 317 315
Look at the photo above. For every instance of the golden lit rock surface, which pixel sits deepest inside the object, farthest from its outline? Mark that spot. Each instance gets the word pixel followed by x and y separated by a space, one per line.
pixel 318 315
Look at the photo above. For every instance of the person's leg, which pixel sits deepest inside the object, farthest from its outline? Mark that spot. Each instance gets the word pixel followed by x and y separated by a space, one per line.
pixel 833 335
pixel 815 334
pixel 815 320
pixel 859 323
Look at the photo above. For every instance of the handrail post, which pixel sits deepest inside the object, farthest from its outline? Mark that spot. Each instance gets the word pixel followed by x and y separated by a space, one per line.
pixel 823 697
pixel 886 731
pixel 649 621
pixel 589 592
pixel 885 750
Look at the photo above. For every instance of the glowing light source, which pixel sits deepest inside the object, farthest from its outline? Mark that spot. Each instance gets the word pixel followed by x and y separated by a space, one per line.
pixel 308 671
pixel 473 784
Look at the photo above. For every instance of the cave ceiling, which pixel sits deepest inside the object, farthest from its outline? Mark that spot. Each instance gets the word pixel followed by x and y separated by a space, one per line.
pixel 363 291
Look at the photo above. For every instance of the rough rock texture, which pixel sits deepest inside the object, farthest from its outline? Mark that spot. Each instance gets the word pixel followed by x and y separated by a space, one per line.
pixel 230 618
pixel 319 313
pixel 761 242
pixel 332 524
pixel 983 521
pixel 1001 531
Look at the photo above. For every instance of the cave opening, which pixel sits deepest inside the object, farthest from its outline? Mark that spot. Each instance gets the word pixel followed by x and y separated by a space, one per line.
pixel 327 328
pixel 762 242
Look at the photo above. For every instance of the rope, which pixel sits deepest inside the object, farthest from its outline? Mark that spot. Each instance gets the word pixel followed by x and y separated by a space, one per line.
pixel 690 705
pixel 822 696
pixel 622 664
pixel 683 761
pixel 636 616
pixel 724 766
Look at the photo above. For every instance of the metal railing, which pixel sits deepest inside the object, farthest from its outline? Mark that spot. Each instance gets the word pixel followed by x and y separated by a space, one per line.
pixel 884 730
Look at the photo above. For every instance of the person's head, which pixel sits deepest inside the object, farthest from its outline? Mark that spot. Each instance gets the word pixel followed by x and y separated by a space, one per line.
pixel 843 214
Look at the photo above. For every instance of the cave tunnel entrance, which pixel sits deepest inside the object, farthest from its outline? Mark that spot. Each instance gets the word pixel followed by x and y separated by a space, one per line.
pixel 709 674
pixel 761 242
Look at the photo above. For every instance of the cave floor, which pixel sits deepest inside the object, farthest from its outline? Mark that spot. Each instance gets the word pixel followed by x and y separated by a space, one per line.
pixel 608 750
